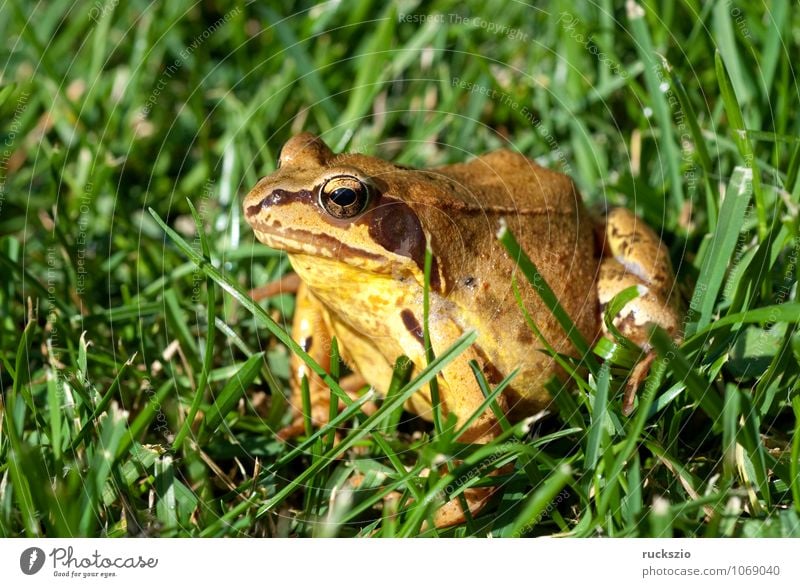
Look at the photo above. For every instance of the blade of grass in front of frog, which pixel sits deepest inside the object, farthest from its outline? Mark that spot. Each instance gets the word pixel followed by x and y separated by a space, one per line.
pixel 598 422
pixel 615 353
pixel 333 402
pixel 722 247
pixel 305 398
pixel 400 377
pixel 489 398
pixel 263 317
pixel 539 499
pixel 539 284
pixel 613 308
pixel 478 471
pixel 426 340
pixel 208 355
pixel 372 421
pixel 483 458
pixel 550 350
pixel 632 437
pixel 394 485
pixel 700 390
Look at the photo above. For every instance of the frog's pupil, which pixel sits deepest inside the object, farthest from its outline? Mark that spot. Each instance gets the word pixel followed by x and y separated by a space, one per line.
pixel 344 197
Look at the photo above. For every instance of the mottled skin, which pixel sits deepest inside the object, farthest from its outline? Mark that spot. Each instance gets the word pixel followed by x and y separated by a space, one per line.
pixel 363 275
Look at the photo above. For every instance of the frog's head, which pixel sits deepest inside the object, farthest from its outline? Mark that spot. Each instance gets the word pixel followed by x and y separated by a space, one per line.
pixel 351 209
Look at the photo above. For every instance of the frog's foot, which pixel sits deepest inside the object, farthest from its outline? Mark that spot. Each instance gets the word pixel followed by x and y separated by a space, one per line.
pixel 635 379
pixel 475 499
pixel 452 513
pixel 635 256
pixel 320 407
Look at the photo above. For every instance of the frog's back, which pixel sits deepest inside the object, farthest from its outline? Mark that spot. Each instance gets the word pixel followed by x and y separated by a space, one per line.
pixel 507 182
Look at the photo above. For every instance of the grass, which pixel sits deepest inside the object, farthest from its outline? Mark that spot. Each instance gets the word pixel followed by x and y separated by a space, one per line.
pixel 142 388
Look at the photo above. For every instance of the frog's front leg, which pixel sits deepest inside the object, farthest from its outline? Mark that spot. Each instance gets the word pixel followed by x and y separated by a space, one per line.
pixel 635 256
pixel 311 331
pixel 461 396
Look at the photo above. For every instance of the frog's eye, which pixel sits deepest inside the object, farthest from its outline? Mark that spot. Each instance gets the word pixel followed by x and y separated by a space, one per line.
pixel 344 196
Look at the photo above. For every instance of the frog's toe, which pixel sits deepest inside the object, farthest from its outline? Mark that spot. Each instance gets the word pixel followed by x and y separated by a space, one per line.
pixel 452 513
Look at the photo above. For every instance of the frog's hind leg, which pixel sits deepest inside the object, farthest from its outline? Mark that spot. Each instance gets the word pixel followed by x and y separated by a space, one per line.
pixel 635 256
pixel 313 333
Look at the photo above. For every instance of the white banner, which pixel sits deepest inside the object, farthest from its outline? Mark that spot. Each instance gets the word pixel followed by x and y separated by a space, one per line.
pixel 334 562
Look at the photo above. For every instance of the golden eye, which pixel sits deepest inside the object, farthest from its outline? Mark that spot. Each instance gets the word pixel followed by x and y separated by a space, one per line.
pixel 344 196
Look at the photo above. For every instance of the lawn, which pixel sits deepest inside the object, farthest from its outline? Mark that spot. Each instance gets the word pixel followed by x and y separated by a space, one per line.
pixel 141 388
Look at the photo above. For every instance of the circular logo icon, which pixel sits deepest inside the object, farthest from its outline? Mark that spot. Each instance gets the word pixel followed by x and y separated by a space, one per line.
pixel 31 560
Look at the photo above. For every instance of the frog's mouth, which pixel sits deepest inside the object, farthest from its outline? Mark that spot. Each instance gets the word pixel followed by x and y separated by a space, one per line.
pixel 324 261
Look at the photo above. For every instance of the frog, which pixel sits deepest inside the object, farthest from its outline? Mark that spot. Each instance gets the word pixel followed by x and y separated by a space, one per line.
pixel 357 229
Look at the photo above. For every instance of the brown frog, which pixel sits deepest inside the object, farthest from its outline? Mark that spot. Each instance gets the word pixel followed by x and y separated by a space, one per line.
pixel 356 230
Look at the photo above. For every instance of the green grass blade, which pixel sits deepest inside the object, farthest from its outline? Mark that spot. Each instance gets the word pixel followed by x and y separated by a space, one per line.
pixel 436 404
pixel 654 77
pixel 166 505
pixel 599 411
pixel 700 390
pixel 742 141
pixel 102 405
pixel 208 355
pixel 538 282
pixel 540 499
pixel 230 394
pixel 375 419
pixel 723 245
